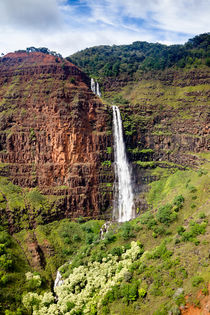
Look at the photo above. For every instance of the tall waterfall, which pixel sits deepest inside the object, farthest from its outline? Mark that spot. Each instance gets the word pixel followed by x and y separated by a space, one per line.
pixel 98 90
pixel 95 87
pixel 123 196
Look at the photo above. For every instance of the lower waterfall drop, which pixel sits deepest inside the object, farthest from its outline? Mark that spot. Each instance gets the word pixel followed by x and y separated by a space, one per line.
pixel 58 281
pixel 123 195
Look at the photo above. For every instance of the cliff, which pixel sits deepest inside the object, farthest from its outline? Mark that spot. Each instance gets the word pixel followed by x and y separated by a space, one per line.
pixel 53 134
pixel 166 122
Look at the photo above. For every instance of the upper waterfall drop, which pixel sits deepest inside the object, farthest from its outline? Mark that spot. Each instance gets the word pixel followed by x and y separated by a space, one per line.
pixel 95 87
pixel 123 196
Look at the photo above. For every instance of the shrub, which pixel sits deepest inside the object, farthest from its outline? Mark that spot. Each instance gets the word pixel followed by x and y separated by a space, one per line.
pixel 197 228
pixel 127 231
pixel 129 291
pixel 159 230
pixel 197 280
pixel 108 298
pixel 106 163
pixel 142 292
pixel 5 262
pixel 142 268
pixel 180 230
pixel 160 252
pixel 165 215
pixel 4 279
pixel 184 273
pixel 5 238
pixel 169 292
pixel 116 251
pixel 151 224
pixel 89 238
pixel 109 150
pixel 178 202
pixel 192 189
pixel 187 236
pixel 76 237
pixel 205 291
pixel 109 237
pixel 180 300
pixel 146 217
pixel 202 215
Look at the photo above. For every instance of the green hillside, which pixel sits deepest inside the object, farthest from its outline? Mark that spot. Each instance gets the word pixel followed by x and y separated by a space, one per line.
pixel 129 61
pixel 145 266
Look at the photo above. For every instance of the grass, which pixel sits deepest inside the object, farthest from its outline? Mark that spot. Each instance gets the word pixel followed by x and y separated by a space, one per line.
pixel 154 92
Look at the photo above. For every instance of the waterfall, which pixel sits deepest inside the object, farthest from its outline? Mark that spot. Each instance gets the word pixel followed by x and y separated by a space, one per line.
pixel 123 195
pixel 58 280
pixel 95 87
pixel 98 90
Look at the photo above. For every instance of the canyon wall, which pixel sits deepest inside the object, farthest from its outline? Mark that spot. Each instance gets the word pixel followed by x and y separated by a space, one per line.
pixel 166 122
pixel 54 133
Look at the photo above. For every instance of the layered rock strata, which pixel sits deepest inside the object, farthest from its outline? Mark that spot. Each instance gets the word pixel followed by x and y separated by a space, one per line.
pixel 53 132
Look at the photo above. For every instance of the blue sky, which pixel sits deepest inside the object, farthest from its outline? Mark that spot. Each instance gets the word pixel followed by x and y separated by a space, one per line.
pixel 67 26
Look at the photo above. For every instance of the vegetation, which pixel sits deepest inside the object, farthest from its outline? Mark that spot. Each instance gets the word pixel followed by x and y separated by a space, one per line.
pixel 23 204
pixel 127 271
pixel 147 265
pixel 131 60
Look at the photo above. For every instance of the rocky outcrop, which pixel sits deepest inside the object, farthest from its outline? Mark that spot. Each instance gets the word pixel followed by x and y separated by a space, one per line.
pixel 53 131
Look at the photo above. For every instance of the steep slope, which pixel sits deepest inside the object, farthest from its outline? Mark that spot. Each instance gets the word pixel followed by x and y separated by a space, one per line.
pixel 166 122
pixel 54 135
pixel 156 264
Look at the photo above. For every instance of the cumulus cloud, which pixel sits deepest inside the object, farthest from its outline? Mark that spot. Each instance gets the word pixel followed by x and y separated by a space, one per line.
pixel 70 25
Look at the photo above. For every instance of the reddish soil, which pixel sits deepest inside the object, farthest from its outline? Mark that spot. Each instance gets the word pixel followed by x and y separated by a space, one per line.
pixel 204 305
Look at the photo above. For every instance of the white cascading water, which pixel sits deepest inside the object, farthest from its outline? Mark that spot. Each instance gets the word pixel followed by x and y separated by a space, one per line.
pixel 123 199
pixel 58 280
pixel 98 90
pixel 95 87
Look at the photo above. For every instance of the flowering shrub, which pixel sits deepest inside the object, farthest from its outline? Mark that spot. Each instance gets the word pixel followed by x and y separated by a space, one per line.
pixel 85 288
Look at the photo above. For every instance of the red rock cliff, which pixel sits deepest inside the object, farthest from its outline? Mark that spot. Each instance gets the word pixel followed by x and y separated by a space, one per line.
pixel 54 131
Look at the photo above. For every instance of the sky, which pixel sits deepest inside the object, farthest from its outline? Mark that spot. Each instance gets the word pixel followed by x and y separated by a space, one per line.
pixel 67 26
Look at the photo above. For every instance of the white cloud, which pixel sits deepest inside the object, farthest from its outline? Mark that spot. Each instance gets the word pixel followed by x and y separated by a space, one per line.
pixel 67 26
pixel 186 16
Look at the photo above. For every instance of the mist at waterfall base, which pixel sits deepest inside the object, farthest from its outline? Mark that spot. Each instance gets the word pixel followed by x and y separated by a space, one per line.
pixel 95 87
pixel 123 194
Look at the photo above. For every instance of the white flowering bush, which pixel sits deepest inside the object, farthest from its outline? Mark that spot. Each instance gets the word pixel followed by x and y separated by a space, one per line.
pixel 86 286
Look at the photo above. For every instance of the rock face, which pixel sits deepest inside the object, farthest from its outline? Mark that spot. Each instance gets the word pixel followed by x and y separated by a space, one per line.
pixel 53 132
pixel 166 122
